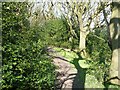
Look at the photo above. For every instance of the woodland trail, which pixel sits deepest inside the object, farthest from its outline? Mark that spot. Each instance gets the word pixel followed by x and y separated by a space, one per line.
pixel 66 74
pixel 70 75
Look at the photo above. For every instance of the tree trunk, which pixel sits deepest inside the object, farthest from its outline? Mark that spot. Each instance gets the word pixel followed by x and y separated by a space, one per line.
pixel 82 40
pixel 115 36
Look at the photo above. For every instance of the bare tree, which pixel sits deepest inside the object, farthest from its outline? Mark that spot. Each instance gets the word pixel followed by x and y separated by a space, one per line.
pixel 82 14
pixel 41 11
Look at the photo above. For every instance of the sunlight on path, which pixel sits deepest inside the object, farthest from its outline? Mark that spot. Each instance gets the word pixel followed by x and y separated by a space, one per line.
pixel 72 71
pixel 67 74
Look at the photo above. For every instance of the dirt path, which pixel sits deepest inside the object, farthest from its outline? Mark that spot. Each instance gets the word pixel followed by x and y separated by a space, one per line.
pixel 67 74
pixel 71 75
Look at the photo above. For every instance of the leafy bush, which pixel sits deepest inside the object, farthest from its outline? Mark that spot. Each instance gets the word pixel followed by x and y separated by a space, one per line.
pixel 24 66
pixel 56 32
pixel 100 53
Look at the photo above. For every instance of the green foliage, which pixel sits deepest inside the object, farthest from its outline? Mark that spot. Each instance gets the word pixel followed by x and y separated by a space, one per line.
pixel 100 53
pixel 25 65
pixel 56 32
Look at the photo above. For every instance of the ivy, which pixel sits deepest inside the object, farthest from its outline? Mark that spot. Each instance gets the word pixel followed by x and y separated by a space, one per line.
pixel 24 66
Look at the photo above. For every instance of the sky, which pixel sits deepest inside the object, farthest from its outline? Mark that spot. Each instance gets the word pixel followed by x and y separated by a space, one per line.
pixel 39 3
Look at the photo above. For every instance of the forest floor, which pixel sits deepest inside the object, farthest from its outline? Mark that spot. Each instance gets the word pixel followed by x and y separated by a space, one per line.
pixel 71 70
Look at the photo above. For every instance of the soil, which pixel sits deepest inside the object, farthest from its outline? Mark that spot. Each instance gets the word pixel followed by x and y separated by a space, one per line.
pixel 66 72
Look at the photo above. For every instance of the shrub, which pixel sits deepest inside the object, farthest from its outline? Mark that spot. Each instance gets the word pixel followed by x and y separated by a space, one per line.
pixel 56 32
pixel 24 64
pixel 100 53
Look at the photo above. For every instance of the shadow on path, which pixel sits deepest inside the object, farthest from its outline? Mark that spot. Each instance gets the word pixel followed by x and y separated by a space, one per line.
pixel 79 79
pixel 78 82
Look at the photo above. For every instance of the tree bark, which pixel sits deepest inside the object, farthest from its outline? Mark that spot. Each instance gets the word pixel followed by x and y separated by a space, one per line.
pixel 82 40
pixel 115 36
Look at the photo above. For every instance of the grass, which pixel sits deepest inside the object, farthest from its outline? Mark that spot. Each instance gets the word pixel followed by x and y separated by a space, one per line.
pixel 70 56
pixel 90 80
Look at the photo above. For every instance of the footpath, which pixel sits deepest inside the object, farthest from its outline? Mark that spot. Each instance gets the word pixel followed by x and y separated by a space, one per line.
pixel 71 71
